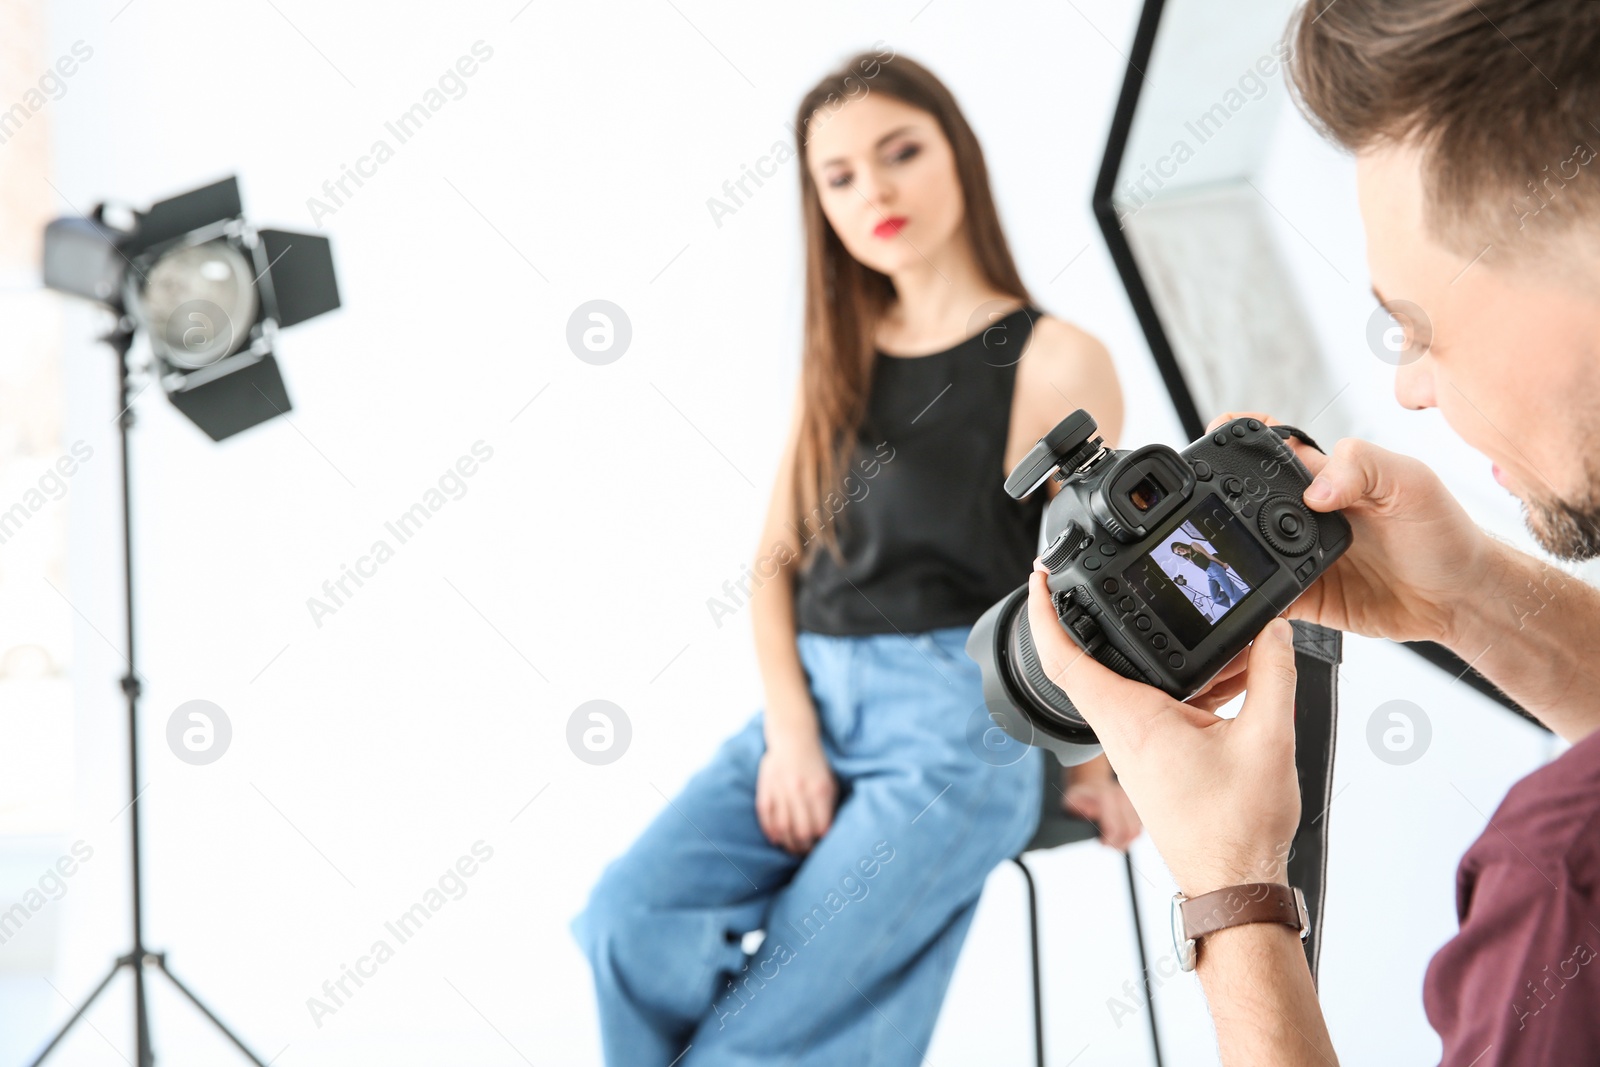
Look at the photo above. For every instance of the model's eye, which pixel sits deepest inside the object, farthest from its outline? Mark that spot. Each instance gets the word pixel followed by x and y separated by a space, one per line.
pixel 904 152
pixel 839 181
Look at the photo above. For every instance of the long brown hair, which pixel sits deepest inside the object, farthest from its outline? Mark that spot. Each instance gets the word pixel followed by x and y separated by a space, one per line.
pixel 1196 554
pixel 845 298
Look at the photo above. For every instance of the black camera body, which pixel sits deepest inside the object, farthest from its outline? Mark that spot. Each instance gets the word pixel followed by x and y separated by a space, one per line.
pixel 1163 565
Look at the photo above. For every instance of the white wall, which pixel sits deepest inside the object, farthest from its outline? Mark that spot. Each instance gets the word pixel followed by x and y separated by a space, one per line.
pixel 372 751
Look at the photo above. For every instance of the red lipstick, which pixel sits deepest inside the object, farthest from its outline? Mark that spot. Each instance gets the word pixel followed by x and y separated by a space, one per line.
pixel 890 226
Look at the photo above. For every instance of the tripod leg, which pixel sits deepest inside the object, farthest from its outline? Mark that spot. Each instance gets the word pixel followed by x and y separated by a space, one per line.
pixel 144 1055
pixel 61 1033
pixel 160 961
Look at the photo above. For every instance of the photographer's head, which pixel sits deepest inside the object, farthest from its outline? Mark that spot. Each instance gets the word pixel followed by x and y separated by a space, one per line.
pixel 1475 127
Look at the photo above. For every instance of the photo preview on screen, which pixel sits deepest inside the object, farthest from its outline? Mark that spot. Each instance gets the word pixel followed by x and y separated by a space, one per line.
pixel 1201 571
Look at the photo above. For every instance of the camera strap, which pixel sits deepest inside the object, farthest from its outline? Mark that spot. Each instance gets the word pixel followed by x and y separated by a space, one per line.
pixel 1317 652
pixel 1286 431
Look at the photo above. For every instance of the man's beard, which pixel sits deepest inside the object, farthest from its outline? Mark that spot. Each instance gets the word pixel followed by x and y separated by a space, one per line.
pixel 1565 529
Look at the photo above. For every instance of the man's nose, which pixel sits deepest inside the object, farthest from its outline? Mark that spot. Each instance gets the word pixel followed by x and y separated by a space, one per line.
pixel 1413 384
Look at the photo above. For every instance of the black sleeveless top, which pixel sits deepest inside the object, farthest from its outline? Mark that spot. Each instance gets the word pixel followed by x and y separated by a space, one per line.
pixel 929 537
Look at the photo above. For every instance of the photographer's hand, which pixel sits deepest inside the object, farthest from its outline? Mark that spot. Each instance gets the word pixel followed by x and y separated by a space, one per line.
pixel 1221 801
pixel 1219 796
pixel 1420 569
pixel 1414 553
pixel 795 787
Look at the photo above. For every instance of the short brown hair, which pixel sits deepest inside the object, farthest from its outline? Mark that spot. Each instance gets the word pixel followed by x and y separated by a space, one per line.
pixel 1501 96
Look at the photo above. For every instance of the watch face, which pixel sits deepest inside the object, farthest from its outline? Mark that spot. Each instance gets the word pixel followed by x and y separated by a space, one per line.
pixel 1182 944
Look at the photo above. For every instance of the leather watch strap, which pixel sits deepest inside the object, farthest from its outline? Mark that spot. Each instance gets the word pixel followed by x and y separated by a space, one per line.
pixel 1238 905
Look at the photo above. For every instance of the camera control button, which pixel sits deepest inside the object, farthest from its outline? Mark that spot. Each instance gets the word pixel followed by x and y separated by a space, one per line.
pixel 1254 424
pixel 1091 563
pixel 1159 640
pixel 1303 571
pixel 1288 526
pixel 1175 661
pixel 1202 470
pixel 1108 548
pixel 1238 430
pixel 1142 621
pixel 1219 438
pixel 1109 585
pixel 1232 486
pixel 1125 604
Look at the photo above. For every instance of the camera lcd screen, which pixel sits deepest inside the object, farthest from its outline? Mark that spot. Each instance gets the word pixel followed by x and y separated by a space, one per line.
pixel 1200 571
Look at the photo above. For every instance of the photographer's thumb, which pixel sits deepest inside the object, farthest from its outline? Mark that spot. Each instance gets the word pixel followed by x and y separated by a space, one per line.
pixel 1269 699
pixel 1354 472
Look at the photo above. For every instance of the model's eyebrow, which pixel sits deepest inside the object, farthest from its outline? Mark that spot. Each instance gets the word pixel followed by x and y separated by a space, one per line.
pixel 891 135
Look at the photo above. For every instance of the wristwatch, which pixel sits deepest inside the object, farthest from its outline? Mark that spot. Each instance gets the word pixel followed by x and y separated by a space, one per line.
pixel 1238 905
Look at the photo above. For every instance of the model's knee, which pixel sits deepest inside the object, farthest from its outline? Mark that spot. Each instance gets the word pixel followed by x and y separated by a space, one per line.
pixel 609 920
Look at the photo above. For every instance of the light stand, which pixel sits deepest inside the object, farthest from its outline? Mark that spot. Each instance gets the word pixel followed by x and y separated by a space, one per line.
pixel 182 273
pixel 120 339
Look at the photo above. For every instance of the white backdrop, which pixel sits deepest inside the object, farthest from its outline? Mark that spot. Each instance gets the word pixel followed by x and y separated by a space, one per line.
pixel 429 712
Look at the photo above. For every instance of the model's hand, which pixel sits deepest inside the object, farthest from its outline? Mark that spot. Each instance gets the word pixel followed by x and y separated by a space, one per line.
pixel 1219 796
pixel 795 791
pixel 1093 794
pixel 1415 553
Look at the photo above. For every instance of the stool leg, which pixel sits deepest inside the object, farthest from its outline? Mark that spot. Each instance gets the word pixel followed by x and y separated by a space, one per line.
pixel 1033 951
pixel 1144 963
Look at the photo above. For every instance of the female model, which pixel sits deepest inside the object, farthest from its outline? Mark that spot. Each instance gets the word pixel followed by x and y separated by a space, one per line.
pixel 855 818
pixel 1226 590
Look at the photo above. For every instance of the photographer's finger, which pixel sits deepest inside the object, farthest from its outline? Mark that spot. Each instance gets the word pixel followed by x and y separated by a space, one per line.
pixel 1269 701
pixel 1059 655
pixel 1054 647
pixel 1313 459
pixel 1354 471
pixel 1219 693
pixel 1228 416
pixel 1090 685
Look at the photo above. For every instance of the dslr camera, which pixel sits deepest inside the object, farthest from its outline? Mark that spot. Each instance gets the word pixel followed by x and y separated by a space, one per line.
pixel 1163 566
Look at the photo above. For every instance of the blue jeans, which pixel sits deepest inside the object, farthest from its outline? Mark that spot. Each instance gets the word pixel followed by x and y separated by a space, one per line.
pixel 1224 590
pixel 862 933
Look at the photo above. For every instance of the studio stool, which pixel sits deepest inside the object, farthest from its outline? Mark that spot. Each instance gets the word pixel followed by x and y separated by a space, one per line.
pixel 1056 828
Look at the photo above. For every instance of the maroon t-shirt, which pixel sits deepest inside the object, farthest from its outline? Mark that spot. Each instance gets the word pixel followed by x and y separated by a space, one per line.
pixel 1520 983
